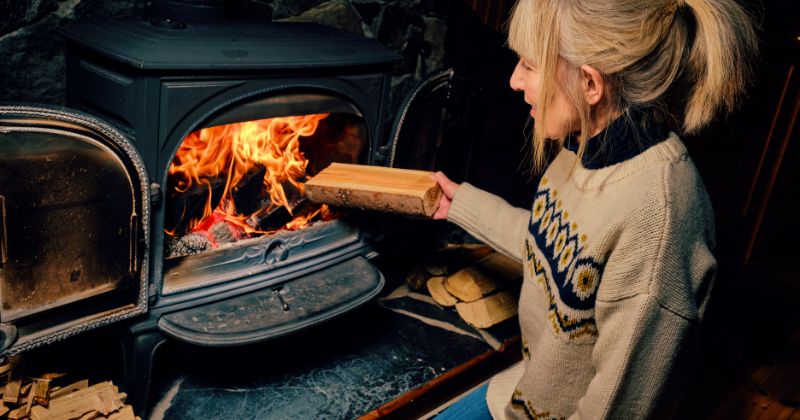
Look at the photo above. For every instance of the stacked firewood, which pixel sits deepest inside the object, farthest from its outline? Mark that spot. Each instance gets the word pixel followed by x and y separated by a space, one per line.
pixel 51 396
pixel 480 283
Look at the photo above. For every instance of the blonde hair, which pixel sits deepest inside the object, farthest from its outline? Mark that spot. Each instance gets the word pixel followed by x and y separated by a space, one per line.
pixel 686 60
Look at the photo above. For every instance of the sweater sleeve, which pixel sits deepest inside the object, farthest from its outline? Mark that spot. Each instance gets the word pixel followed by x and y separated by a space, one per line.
pixel 649 305
pixel 490 219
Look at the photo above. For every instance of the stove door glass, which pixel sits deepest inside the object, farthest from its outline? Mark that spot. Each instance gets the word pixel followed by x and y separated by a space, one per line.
pixel 68 221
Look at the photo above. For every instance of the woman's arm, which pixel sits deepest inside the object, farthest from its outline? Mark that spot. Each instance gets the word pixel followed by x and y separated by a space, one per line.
pixel 485 216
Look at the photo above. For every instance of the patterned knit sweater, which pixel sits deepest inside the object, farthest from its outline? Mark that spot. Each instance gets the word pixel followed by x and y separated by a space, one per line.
pixel 618 269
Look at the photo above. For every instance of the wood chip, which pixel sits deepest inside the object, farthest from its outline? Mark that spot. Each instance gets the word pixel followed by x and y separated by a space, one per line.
pixel 470 284
pixel 11 391
pixel 439 293
pixel 484 313
pixel 41 391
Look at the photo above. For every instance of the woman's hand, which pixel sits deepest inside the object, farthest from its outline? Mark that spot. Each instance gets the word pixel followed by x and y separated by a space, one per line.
pixel 449 190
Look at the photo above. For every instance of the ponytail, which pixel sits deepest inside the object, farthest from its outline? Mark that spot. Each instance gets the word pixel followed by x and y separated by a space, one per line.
pixel 720 59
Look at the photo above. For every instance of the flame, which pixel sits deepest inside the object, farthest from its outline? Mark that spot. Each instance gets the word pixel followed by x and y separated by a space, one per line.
pixel 231 150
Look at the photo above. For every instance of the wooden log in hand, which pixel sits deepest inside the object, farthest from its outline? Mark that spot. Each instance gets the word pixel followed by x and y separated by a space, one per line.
pixel 392 190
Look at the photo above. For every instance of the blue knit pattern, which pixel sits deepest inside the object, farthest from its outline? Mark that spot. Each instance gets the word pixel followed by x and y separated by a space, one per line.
pixel 569 279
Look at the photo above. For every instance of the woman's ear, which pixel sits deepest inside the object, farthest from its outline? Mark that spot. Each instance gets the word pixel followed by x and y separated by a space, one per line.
pixel 593 83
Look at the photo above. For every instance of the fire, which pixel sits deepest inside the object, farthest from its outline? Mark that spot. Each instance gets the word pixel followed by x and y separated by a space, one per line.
pixel 235 151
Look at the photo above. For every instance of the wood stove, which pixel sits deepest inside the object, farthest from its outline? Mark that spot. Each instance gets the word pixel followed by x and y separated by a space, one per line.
pixel 171 193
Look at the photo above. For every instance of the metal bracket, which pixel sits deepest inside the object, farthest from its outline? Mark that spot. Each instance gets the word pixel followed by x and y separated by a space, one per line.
pixel 3 232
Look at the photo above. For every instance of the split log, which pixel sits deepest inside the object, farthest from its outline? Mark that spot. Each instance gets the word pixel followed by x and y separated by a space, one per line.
pixel 500 267
pixel 452 258
pixel 103 398
pixel 13 388
pixel 22 411
pixel 67 389
pixel 392 190
pixel 491 310
pixel 470 284
pixel 439 292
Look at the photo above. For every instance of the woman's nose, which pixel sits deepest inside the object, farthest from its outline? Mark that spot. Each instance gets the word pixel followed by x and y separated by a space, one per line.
pixel 516 81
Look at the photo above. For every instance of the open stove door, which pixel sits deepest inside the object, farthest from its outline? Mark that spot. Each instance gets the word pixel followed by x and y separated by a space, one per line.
pixel 74 221
pixel 418 132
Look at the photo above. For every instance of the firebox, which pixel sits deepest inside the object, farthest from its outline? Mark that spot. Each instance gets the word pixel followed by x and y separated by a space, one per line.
pixel 171 193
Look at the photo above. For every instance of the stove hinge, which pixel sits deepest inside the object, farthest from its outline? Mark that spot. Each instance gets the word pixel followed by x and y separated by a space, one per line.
pixel 155 194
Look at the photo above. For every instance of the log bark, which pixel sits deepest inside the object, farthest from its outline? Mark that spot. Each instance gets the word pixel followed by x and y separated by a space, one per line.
pixel 391 190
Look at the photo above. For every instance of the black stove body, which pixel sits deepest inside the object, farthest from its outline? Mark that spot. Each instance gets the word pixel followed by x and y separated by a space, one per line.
pixel 142 89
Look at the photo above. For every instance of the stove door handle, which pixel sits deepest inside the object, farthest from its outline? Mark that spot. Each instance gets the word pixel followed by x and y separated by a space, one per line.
pixel 3 232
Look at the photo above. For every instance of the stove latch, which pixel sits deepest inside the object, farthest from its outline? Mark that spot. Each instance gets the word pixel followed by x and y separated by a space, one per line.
pixel 277 294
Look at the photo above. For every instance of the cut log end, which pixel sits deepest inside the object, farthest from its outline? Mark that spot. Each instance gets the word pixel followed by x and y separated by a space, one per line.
pixel 439 293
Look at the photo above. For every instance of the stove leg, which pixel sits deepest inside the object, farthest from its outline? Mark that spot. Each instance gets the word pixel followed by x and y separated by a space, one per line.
pixel 138 353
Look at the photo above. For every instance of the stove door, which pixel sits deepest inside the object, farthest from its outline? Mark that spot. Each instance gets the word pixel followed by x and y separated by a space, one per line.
pixel 74 222
pixel 418 130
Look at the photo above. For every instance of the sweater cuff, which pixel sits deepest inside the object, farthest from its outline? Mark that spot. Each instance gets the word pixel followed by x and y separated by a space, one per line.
pixel 465 209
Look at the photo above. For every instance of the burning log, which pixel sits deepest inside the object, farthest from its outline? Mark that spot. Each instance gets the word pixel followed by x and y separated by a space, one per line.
pixel 247 193
pixel 182 207
pixel 278 217
pixel 271 217
pixel 391 190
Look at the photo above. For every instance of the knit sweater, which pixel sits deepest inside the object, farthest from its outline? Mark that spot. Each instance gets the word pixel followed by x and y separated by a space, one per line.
pixel 617 272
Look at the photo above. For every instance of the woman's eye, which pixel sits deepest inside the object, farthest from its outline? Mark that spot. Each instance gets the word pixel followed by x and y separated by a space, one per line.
pixel 525 65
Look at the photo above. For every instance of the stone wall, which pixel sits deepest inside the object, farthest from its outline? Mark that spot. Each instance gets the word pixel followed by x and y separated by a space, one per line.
pixel 32 53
